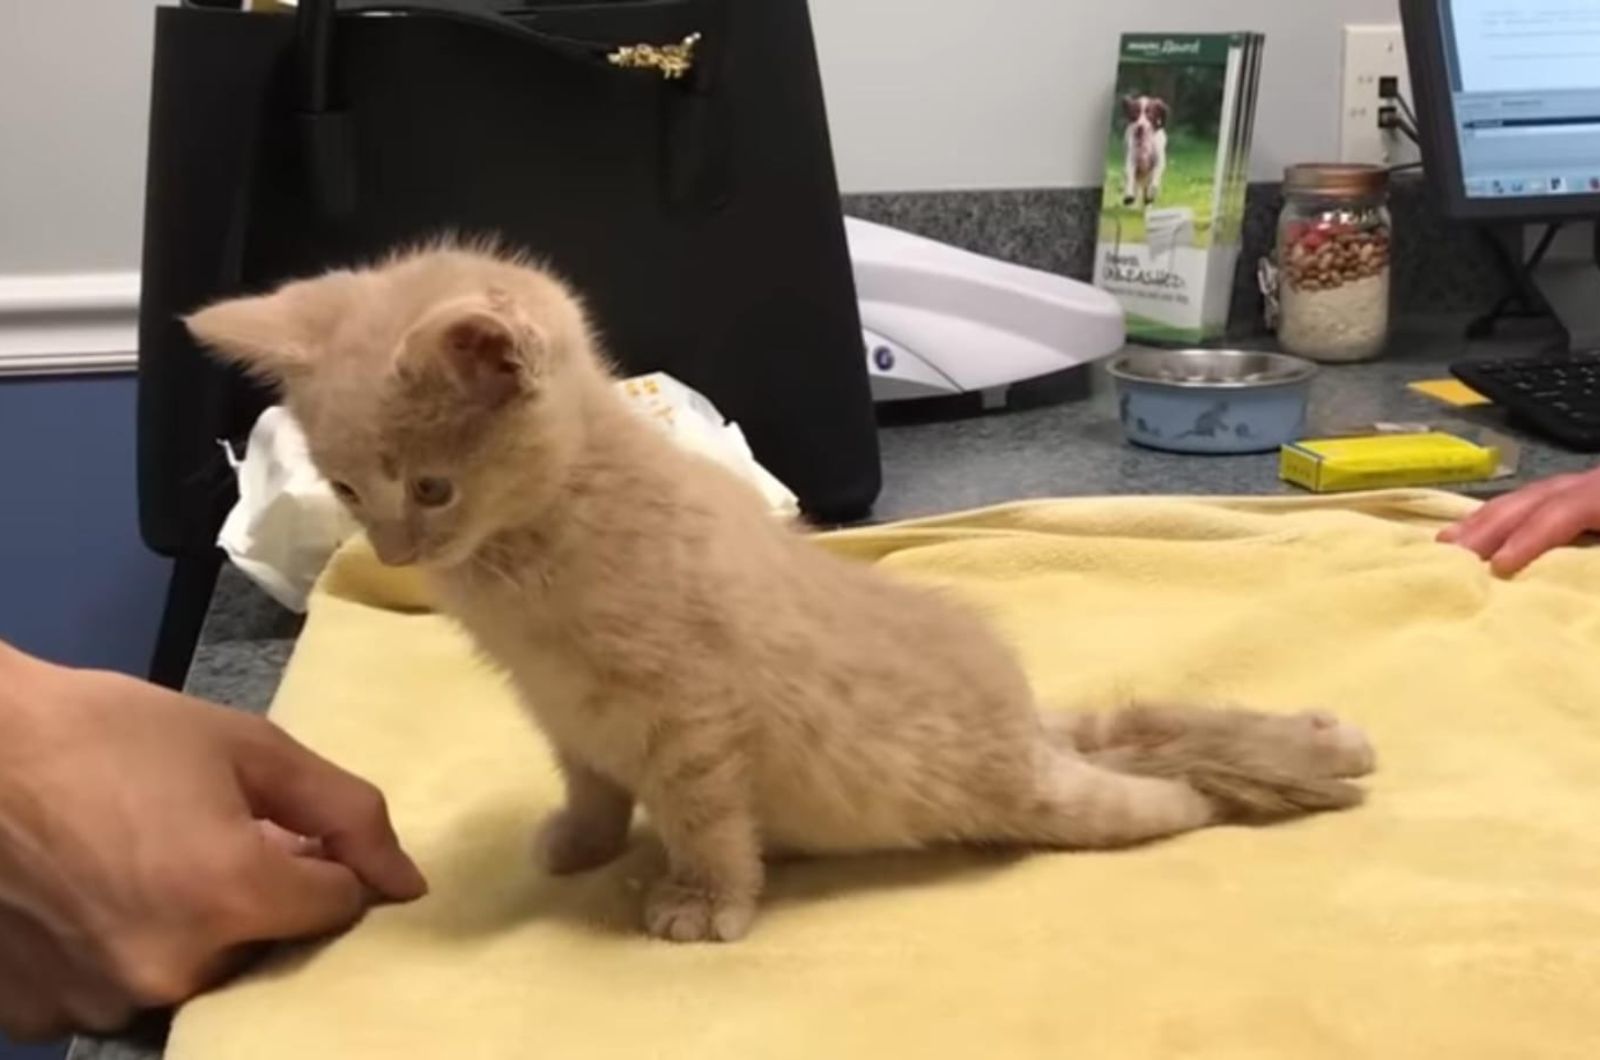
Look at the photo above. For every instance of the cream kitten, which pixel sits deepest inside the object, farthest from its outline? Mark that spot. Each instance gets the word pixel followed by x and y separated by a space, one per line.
pixel 679 647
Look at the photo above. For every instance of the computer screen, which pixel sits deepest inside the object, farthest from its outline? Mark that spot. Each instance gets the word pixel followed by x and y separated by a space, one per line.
pixel 1508 95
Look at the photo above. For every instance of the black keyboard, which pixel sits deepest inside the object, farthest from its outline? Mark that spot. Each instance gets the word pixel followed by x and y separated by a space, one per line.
pixel 1557 396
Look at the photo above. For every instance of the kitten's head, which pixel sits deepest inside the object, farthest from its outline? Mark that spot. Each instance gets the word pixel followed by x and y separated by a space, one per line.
pixel 440 393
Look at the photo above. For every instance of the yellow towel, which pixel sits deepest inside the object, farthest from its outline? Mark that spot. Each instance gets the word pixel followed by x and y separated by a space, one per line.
pixel 1456 915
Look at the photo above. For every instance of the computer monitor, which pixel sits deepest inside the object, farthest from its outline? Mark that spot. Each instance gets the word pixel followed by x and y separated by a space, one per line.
pixel 1507 97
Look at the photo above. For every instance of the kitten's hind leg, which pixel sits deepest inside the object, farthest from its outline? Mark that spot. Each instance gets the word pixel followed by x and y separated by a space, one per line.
pixel 1311 743
pixel 1258 766
pixel 592 829
pixel 1080 805
pixel 696 790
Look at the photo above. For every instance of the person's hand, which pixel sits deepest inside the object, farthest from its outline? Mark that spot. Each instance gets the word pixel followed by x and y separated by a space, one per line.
pixel 1514 530
pixel 148 841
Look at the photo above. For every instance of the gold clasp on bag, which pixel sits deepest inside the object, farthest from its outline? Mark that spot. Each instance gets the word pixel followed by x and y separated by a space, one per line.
pixel 673 60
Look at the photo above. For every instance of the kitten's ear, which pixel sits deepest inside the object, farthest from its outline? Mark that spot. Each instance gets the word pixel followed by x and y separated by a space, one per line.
pixel 481 345
pixel 253 333
pixel 275 336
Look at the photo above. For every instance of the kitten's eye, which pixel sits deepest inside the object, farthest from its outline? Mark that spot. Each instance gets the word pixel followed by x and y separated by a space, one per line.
pixel 346 492
pixel 432 492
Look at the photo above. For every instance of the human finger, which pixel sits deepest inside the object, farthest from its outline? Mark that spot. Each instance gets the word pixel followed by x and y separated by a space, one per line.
pixel 303 792
pixel 1558 522
pixel 296 897
pixel 1485 530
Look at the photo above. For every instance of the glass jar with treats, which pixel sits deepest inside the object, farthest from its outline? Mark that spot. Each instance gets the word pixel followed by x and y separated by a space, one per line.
pixel 1333 251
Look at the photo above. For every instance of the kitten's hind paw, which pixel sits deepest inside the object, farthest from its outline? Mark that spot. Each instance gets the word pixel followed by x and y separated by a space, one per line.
pixel 1251 766
pixel 567 844
pixel 1335 748
pixel 1159 741
pixel 680 912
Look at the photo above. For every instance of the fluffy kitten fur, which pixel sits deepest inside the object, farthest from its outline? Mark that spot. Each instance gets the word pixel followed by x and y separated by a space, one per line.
pixel 679 647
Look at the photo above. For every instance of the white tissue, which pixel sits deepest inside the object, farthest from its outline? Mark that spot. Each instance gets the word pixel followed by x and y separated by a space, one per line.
pixel 288 523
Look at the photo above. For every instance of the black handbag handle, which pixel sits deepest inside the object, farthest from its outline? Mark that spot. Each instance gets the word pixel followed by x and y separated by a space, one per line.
pixel 497 16
pixel 329 145
pixel 671 60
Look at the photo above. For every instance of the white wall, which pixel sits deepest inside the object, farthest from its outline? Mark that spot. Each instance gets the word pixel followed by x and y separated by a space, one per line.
pixel 74 97
pixel 921 94
pixel 1016 93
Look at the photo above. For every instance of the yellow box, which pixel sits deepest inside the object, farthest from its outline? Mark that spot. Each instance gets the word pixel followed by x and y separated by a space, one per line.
pixel 1386 461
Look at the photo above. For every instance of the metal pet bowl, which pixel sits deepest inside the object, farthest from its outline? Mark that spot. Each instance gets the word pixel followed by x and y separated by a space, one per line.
pixel 1212 401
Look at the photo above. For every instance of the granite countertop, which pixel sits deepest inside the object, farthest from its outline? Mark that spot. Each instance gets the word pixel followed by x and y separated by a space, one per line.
pixel 1070 449
pixel 1077 449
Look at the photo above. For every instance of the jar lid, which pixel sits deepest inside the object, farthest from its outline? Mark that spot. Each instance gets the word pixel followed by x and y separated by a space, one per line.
pixel 1336 180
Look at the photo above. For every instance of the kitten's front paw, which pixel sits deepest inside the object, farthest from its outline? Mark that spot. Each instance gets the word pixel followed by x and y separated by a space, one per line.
pixel 679 912
pixel 567 844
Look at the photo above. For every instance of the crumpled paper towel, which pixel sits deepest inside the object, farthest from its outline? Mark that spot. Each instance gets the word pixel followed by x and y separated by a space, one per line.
pixel 287 522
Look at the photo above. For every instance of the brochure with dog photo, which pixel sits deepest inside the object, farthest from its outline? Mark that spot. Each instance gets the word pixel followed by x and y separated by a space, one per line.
pixel 1176 163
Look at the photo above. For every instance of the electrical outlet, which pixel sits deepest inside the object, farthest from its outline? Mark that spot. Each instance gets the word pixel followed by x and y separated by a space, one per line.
pixel 1370 53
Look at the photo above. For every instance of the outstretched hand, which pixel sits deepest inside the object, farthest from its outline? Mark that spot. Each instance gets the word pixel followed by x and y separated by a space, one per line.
pixel 1514 530
pixel 148 841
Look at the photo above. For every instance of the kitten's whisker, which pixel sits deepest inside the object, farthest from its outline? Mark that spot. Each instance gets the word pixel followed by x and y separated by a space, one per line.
pixel 490 567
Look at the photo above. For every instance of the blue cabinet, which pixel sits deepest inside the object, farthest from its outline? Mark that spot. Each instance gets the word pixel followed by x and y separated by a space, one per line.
pixel 76 583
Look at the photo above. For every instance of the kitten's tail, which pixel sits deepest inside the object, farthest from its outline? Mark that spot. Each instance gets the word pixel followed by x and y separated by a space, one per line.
pixel 1255 768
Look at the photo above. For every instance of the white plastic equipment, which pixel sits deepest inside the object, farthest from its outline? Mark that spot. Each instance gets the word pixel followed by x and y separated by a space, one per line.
pixel 938 320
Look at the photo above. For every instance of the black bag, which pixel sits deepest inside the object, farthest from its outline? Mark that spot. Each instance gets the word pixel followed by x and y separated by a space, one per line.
pixel 698 214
